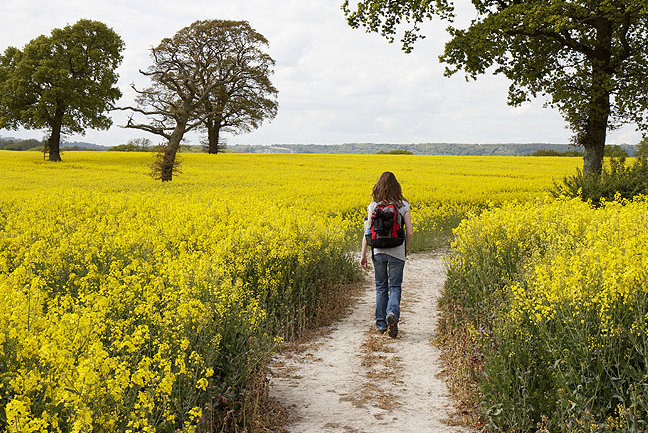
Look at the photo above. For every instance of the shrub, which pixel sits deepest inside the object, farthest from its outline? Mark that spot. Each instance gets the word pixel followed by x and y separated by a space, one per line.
pixel 134 145
pixel 76 148
pixel 572 153
pixel 546 152
pixel 617 179
pixel 614 151
pixel 551 152
pixel 16 144
pixel 126 148
pixel 395 152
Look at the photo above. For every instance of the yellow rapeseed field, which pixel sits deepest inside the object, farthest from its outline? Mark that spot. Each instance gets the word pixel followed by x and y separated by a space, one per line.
pixel 133 305
pixel 554 296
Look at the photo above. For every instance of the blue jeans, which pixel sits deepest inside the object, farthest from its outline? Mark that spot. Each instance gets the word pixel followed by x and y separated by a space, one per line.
pixel 389 277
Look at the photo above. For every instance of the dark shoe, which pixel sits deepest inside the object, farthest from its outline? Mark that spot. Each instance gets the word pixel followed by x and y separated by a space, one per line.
pixel 381 330
pixel 392 321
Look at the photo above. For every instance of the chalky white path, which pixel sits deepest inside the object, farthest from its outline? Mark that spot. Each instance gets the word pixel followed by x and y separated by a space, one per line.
pixel 326 388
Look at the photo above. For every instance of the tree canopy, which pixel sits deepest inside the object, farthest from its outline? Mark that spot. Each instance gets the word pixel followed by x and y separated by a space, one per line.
pixel 245 96
pixel 64 82
pixel 211 74
pixel 588 57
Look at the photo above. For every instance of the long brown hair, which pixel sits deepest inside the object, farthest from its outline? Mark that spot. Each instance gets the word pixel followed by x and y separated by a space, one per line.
pixel 388 190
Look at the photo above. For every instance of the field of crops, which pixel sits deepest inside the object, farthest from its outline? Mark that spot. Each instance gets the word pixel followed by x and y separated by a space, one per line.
pixel 548 301
pixel 132 305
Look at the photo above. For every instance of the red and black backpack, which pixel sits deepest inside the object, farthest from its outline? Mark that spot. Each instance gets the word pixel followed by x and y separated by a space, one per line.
pixel 386 229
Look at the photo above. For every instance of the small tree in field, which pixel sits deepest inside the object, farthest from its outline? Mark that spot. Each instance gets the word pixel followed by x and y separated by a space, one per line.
pixel 590 57
pixel 64 82
pixel 197 83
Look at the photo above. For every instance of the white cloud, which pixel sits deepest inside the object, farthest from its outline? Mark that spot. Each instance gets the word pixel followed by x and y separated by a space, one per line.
pixel 336 84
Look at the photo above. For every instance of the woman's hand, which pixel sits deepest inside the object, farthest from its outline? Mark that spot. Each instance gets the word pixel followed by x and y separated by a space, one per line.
pixel 363 261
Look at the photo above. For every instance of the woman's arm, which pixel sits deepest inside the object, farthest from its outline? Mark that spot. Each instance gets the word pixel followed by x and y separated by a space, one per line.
pixel 409 232
pixel 363 251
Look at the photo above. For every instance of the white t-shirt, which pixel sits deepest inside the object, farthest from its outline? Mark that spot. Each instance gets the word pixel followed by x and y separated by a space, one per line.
pixel 399 251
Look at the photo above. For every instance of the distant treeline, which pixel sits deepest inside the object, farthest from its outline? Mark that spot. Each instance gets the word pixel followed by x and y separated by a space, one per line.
pixel 135 145
pixel 551 152
pixel 33 144
pixel 17 144
pixel 609 150
pixel 510 149
pixel 513 149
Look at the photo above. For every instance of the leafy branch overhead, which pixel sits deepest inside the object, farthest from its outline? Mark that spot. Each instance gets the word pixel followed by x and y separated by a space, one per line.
pixel 387 17
pixel 588 57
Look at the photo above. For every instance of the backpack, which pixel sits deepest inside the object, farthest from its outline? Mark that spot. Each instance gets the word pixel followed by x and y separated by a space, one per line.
pixel 386 229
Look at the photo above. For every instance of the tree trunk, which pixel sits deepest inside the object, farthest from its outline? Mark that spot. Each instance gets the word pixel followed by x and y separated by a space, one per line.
pixel 595 129
pixel 594 133
pixel 213 135
pixel 593 159
pixel 54 141
pixel 169 159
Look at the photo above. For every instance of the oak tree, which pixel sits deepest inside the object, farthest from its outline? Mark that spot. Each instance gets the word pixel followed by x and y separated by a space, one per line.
pixel 199 80
pixel 245 96
pixel 589 57
pixel 64 82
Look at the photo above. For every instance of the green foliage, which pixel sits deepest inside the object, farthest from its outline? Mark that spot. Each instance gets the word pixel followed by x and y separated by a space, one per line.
pixel 126 148
pixel 618 179
pixel 546 152
pixel 614 151
pixel 64 82
pixel 551 152
pixel 385 17
pixel 15 144
pixel 134 145
pixel 395 152
pixel 76 148
pixel 572 153
pixel 642 151
pixel 193 148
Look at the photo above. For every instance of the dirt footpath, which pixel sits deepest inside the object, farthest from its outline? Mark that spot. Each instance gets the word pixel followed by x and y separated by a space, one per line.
pixel 355 380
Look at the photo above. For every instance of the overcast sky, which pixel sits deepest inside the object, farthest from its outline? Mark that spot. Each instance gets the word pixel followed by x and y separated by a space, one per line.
pixel 336 84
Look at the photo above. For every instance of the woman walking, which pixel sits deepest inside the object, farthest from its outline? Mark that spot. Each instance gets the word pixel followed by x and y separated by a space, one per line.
pixel 388 212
